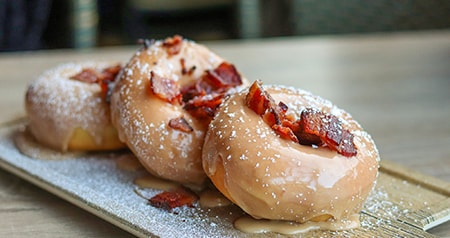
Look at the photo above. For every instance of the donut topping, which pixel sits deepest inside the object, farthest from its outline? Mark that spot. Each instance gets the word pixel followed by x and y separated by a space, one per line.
pixel 201 98
pixel 87 75
pixel 223 77
pixel 325 129
pixel 173 44
pixel 164 88
pixel 185 70
pixel 90 75
pixel 103 78
pixel 204 107
pixel 314 127
pixel 169 200
pixel 180 124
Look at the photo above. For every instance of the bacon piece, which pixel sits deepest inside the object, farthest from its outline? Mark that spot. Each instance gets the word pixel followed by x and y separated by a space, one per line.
pixel 315 122
pixel 164 88
pixel 173 44
pixel 184 70
pixel 228 75
pixel 282 107
pixel 223 77
pixel 103 78
pixel 191 91
pixel 87 75
pixel 257 99
pixel 204 107
pixel 107 79
pixel 271 117
pixel 180 124
pixel 285 132
pixel 219 80
pixel 346 146
pixel 169 200
pixel 90 75
pixel 110 73
pixel 313 128
pixel 183 66
pixel 325 129
pixel 202 98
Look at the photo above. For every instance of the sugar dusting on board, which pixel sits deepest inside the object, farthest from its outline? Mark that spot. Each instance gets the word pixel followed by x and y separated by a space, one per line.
pixel 96 182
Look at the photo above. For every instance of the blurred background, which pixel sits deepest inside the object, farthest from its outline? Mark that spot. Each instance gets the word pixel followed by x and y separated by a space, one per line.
pixel 47 24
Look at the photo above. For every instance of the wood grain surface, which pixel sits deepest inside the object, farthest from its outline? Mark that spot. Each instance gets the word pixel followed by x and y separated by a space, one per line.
pixel 396 85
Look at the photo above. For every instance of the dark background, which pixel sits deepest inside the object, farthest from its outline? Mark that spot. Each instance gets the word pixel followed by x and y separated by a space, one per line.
pixel 47 24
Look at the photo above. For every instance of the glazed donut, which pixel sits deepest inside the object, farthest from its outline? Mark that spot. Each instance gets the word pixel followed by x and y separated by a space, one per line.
pixel 163 101
pixel 251 158
pixel 67 109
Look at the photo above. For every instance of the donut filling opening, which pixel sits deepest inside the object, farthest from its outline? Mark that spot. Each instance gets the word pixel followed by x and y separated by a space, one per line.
pixel 314 127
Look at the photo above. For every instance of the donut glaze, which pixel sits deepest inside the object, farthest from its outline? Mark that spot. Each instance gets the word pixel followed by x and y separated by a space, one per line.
pixel 274 178
pixel 67 114
pixel 142 118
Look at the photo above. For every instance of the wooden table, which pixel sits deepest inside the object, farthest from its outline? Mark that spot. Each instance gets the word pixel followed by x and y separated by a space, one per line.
pixel 396 85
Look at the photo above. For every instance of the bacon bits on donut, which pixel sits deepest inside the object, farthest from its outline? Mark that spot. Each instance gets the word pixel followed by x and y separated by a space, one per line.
pixel 165 98
pixel 284 154
pixel 68 110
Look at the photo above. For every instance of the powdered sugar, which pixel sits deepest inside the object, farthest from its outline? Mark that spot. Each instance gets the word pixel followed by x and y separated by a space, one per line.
pixel 57 104
pixel 166 152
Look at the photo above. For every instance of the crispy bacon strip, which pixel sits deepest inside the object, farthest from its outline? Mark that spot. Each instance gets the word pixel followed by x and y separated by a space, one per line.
pixel 90 75
pixel 328 128
pixel 180 124
pixel 107 79
pixel 110 73
pixel 202 98
pixel 204 107
pixel 164 88
pixel 223 77
pixel 346 145
pixel 285 132
pixel 219 80
pixel 87 75
pixel 169 200
pixel 173 44
pixel 257 99
pixel 313 128
pixel 184 70
pixel 103 78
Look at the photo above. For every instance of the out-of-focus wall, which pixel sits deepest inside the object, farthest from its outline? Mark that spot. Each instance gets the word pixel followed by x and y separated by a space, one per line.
pixel 356 16
pixel 44 24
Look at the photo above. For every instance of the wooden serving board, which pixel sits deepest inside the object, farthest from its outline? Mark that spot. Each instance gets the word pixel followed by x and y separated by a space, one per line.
pixel 403 204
